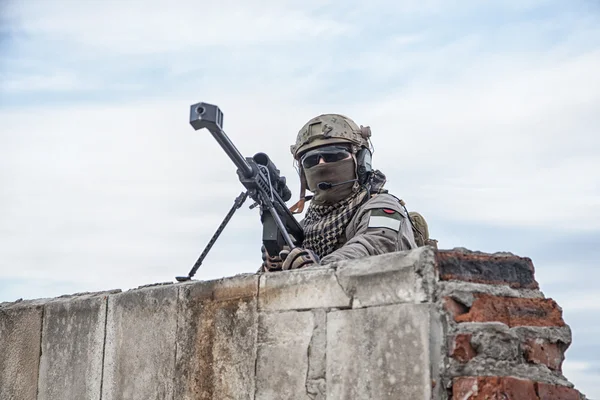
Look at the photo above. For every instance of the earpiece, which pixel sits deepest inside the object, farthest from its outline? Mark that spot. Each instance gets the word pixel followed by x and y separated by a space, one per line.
pixel 363 161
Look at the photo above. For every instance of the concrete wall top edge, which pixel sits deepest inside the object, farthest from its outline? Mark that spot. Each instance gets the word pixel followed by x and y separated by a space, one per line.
pixel 63 298
pixel 373 264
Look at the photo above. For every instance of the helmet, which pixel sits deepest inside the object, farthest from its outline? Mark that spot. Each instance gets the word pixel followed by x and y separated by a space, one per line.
pixel 330 129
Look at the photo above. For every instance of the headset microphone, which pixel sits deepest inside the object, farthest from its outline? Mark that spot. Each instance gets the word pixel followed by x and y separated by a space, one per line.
pixel 329 185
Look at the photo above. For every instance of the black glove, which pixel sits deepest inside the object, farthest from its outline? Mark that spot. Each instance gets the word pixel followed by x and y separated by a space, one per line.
pixel 270 263
pixel 298 258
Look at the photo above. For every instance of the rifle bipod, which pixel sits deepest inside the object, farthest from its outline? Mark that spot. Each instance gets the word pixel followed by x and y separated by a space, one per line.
pixel 236 204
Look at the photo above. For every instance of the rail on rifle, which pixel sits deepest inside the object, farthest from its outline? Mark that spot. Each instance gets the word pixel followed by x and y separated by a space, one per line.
pixel 263 182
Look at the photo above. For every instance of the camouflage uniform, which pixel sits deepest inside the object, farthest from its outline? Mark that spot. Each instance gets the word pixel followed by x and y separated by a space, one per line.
pixel 369 221
pixel 380 225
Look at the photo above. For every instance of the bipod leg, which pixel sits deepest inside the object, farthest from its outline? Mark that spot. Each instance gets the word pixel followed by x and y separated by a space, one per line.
pixel 237 204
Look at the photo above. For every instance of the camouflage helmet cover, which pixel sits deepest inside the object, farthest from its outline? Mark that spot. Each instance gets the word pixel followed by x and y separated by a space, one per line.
pixel 329 129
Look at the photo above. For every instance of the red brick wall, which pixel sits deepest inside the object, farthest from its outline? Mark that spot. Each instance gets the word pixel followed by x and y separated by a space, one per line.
pixel 504 339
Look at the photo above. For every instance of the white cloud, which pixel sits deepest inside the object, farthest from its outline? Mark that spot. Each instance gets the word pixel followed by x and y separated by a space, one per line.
pixel 54 82
pixel 120 188
pixel 501 139
pixel 487 144
pixel 142 27
pixel 481 124
pixel 517 149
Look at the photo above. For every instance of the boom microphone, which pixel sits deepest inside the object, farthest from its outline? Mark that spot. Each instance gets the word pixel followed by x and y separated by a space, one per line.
pixel 329 185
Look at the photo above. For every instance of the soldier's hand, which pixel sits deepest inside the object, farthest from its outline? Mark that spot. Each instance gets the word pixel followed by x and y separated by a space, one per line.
pixel 270 263
pixel 298 258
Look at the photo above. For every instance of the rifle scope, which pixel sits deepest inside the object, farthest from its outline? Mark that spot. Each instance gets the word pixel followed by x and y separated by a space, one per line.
pixel 278 182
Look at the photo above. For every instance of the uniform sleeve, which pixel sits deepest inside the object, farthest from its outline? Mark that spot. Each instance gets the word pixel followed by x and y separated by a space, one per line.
pixel 381 226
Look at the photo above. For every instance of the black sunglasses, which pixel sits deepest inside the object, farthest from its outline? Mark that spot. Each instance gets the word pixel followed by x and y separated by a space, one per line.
pixel 328 154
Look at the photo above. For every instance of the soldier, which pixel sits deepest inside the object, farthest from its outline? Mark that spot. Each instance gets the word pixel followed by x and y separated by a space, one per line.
pixel 350 214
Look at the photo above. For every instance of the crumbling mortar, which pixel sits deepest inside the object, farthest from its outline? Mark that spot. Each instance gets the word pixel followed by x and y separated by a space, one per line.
pixel 470 327
pixel 493 367
pixel 437 360
pixel 464 298
pixel 447 329
pixel 448 288
pixel 477 252
pixel 448 317
pixel 560 334
pixel 503 347
pixel 481 343
pixel 428 275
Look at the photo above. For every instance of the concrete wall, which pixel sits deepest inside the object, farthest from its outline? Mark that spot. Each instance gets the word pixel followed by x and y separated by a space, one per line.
pixel 408 325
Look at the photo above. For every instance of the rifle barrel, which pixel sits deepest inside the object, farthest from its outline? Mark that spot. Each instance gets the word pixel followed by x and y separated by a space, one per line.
pixel 209 116
pixel 232 151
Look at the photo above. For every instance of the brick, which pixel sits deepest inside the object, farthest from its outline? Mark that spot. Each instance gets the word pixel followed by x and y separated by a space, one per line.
pixel 461 348
pixel 496 342
pixel 541 351
pixel 514 271
pixel 454 308
pixel 513 311
pixel 493 387
pixel 552 392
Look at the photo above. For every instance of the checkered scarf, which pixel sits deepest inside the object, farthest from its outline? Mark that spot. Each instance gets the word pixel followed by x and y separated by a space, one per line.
pixel 324 225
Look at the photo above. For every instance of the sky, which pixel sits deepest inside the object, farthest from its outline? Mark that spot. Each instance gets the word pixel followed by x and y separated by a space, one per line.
pixel 484 118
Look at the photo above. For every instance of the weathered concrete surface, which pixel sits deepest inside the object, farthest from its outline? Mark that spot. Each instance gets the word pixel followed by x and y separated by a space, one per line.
pixel 139 357
pixel 301 289
pixel 454 289
pixel 379 353
pixel 403 277
pixel 72 348
pixel 282 359
pixel 20 332
pixel 316 384
pixel 216 339
pixel 379 327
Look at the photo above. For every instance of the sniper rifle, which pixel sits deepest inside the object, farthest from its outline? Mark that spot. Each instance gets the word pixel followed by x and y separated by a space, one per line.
pixel 263 184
